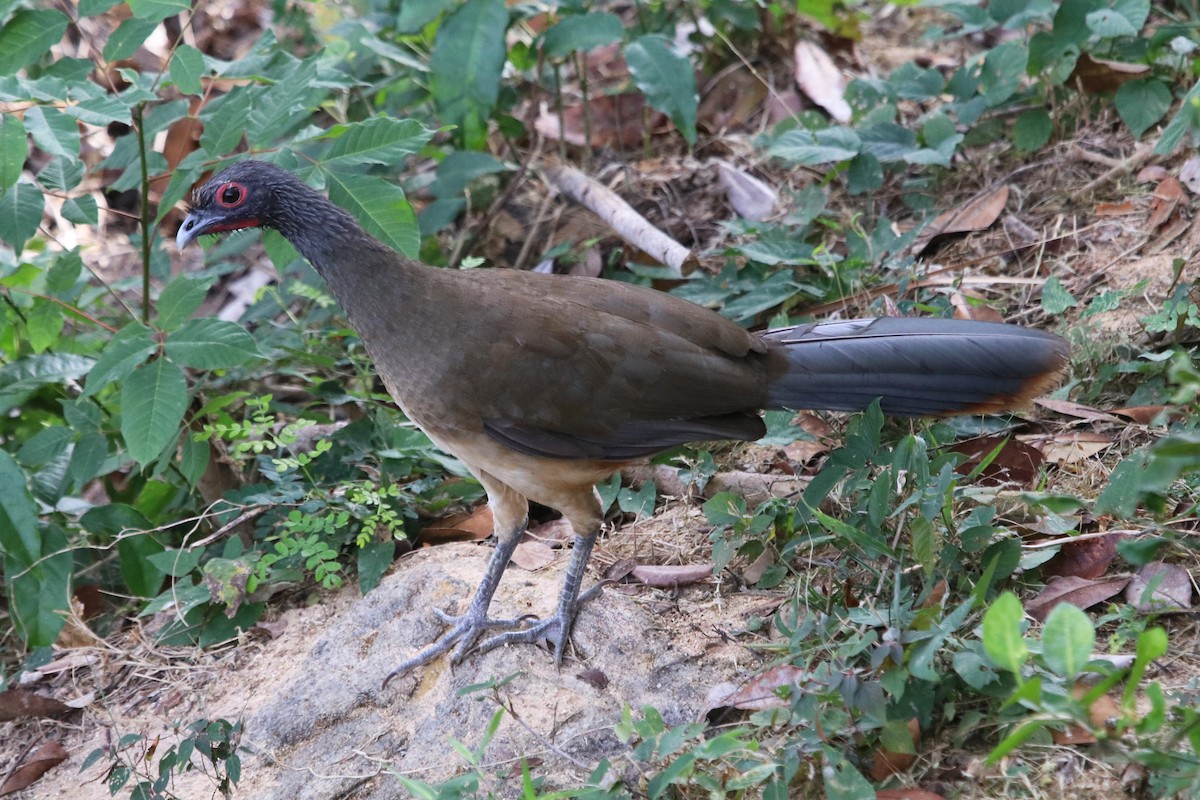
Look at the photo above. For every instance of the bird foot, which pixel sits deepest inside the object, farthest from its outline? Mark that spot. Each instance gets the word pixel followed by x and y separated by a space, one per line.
pixel 555 631
pixel 465 630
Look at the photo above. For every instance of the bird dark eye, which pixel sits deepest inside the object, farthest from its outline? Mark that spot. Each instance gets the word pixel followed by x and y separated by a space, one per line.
pixel 231 195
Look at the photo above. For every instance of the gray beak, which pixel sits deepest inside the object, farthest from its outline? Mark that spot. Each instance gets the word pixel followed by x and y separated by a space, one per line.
pixel 189 230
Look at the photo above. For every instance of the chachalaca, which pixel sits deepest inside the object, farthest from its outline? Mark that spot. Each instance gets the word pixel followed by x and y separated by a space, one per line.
pixel 543 385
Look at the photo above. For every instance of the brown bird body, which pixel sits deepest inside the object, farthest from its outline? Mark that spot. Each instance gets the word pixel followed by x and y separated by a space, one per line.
pixel 542 385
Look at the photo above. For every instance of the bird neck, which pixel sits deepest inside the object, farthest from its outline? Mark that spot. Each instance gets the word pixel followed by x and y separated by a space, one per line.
pixel 332 241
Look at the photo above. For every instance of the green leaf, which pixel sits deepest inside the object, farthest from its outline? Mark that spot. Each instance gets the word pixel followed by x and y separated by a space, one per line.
pixel 807 148
pixel 81 210
pixel 842 780
pixel 639 502
pixel 224 121
pixel 178 300
pixel 380 207
pixel 18 513
pixel 275 108
pixel 1003 71
pixel 128 349
pixel 1108 24
pixel 459 169
pixel 211 343
pixel 1142 103
pixel 20 214
pixel 28 36
pixel 187 67
pixel 467 61
pixel 379 140
pixel 582 32
pixel 141 575
pixel 1032 130
pixel 32 372
pixel 1002 633
pixel 157 10
pixel 1015 740
pixel 679 768
pixel 177 563
pixel 38 589
pixel 374 559
pixel 128 37
pixel 61 174
pixel 1055 297
pixel 45 324
pixel 13 149
pixel 667 80
pixel 1067 640
pixel 53 131
pixel 153 400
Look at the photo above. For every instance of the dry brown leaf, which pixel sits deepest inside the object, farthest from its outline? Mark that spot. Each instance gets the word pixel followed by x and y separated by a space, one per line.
pixel 532 556
pixel 803 450
pixel 620 569
pixel 1172 588
pixel 754 572
pixel 1016 462
pixel 751 198
pixel 1124 208
pixel 820 79
pixel 886 762
pixel 1085 558
pixel 1069 447
pixel 1067 408
pixel 555 533
pixel 1152 173
pixel 594 678
pixel 616 121
pixel 761 692
pixel 1145 415
pixel 1101 76
pixel 1167 195
pixel 666 576
pixel 731 99
pixel 470 526
pixel 966 310
pixel 976 214
pixel 1079 592
pixel 25 704
pixel 48 756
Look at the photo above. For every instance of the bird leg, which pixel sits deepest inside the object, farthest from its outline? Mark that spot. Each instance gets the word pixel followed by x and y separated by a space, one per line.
pixel 467 628
pixel 557 629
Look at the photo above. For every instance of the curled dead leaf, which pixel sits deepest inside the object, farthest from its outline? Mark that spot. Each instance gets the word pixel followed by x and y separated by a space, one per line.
pixel 1080 592
pixel 820 79
pixel 978 213
pixel 48 756
pixel 751 198
pixel 532 556
pixel 664 576
pixel 1158 586
pixel 470 526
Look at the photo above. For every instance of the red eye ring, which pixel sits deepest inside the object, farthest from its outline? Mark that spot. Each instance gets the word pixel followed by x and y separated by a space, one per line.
pixel 231 195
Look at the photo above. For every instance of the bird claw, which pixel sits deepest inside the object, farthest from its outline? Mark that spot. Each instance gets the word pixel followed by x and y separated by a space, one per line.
pixel 555 630
pixel 465 630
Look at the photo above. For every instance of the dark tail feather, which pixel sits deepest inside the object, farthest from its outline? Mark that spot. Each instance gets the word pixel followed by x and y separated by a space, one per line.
pixel 915 366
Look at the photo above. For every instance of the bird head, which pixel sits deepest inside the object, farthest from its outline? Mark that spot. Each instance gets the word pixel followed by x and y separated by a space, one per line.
pixel 245 195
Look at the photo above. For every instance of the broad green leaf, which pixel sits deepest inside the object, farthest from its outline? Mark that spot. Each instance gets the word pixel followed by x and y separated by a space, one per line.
pixel 158 10
pixel 28 36
pixel 378 140
pixel 467 61
pixel 18 513
pixel 13 149
pixel 20 214
pixel 87 459
pixel 178 563
pixel 81 210
pixel 45 324
pixel 275 109
pixel 53 131
pixel 416 14
pixel 44 446
pixel 1002 633
pixel 126 351
pixel 61 174
pixel 178 300
pixel 107 108
pixel 183 178
pixel 187 67
pixel 1003 71
pixel 128 37
pixel 141 575
pixel 807 148
pixel 225 121
pixel 1142 103
pixel 1015 740
pixel 1032 130
pixel 1108 24
pixel 211 343
pixel 667 80
pixel 842 780
pixel 32 372
pixel 1067 640
pixel 374 559
pixel 380 207
pixel 582 32
pixel 153 400
pixel 459 169
pixel 38 588
pixel 887 141
pixel 1055 297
